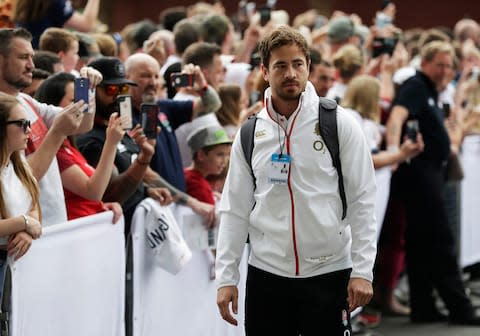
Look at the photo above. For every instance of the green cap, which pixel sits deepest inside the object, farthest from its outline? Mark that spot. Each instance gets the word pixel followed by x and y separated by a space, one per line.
pixel 208 136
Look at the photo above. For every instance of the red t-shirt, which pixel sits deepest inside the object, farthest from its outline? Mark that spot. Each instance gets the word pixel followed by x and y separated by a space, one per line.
pixel 77 206
pixel 198 186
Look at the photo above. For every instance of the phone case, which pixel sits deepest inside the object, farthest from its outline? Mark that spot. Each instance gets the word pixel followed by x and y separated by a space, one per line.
pixel 81 87
pixel 125 109
pixel 149 120
pixel 181 79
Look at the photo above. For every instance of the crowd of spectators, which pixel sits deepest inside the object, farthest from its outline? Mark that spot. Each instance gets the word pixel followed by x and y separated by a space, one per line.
pixel 89 162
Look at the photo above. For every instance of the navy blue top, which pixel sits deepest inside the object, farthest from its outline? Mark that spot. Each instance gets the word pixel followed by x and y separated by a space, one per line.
pixel 420 97
pixel 59 12
pixel 167 161
pixel 91 144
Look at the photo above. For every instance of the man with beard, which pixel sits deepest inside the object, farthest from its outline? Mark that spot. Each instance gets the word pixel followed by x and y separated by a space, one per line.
pixel 144 71
pixel 130 157
pixel 309 265
pixel 50 125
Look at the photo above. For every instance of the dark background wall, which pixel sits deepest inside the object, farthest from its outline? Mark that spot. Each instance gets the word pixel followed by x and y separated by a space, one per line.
pixel 410 13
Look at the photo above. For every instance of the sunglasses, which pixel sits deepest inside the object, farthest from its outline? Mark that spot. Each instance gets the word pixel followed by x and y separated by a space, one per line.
pixel 23 123
pixel 113 89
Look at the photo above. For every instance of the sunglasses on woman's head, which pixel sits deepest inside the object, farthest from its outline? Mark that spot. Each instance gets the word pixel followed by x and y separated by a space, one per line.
pixel 114 89
pixel 23 123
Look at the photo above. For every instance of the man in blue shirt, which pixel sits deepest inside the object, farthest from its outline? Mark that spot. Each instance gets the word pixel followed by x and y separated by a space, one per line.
pixel 144 71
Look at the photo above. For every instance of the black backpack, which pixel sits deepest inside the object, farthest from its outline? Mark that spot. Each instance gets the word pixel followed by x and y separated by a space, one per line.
pixel 327 119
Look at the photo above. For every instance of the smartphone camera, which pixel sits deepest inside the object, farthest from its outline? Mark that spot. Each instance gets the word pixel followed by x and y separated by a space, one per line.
pixel 446 110
pixel 265 15
pixel 149 119
pixel 124 104
pixel 382 46
pixel 411 130
pixel 81 89
pixel 180 79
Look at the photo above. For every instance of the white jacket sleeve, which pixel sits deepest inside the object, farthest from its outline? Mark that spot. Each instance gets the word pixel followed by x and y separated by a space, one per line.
pixel 360 190
pixel 235 207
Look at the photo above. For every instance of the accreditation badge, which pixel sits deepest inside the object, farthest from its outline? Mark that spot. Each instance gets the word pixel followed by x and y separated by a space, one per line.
pixel 279 168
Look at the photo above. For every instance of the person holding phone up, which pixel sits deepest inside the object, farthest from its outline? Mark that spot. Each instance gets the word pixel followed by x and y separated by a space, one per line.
pixel 134 152
pixel 50 124
pixel 432 261
pixel 167 168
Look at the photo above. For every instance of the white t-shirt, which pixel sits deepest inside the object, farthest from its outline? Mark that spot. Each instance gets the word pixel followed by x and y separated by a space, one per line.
pixel 52 200
pixel 17 198
pixel 337 91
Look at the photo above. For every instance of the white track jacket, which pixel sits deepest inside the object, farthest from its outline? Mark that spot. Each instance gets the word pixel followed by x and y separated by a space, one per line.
pixel 296 229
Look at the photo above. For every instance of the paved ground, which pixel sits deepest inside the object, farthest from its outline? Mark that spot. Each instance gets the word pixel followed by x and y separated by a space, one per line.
pixel 400 326
pixel 396 326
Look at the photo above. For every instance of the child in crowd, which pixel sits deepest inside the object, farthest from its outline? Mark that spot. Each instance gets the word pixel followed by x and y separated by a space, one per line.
pixel 63 43
pixel 19 192
pixel 210 146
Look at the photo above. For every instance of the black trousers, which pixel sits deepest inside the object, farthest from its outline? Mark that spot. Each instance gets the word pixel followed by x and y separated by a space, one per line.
pixel 431 254
pixel 290 307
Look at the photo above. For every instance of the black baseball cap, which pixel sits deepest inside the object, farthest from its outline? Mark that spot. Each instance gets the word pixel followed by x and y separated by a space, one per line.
pixel 112 70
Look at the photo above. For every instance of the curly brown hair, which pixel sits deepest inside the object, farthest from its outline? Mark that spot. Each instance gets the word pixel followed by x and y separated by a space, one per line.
pixel 280 37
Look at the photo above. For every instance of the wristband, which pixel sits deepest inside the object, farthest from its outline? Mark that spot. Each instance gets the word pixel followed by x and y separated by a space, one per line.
pixel 25 219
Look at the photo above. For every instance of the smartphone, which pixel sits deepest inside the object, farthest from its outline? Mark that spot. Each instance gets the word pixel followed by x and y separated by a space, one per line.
pixel 382 46
pixel 180 79
pixel 81 89
pixel 124 103
pixel 255 60
pixel 446 110
pixel 265 15
pixel 149 119
pixel 411 130
pixel 382 20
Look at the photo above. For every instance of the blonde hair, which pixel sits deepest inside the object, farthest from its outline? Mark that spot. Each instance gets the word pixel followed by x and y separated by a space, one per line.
pixel 229 112
pixel 362 95
pixel 106 44
pixel 22 170
pixel 429 50
pixel 348 60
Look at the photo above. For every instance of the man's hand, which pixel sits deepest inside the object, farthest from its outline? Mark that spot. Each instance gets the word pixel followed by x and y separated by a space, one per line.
pixel 207 211
pixel 162 195
pixel 360 293
pixel 19 244
pixel 225 295
pixel 94 76
pixel 147 146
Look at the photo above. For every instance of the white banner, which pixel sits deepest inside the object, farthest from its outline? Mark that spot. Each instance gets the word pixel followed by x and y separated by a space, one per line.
pixel 183 304
pixel 470 200
pixel 72 281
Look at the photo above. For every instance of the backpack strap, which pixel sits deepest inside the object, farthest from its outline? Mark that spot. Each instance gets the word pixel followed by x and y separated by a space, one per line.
pixel 247 136
pixel 327 118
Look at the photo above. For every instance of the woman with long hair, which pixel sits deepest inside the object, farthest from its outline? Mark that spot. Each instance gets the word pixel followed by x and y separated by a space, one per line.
pixel 362 99
pixel 36 16
pixel 84 186
pixel 228 114
pixel 19 192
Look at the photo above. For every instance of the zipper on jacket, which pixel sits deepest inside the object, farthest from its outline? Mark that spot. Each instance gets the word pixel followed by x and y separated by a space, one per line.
pixel 292 203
